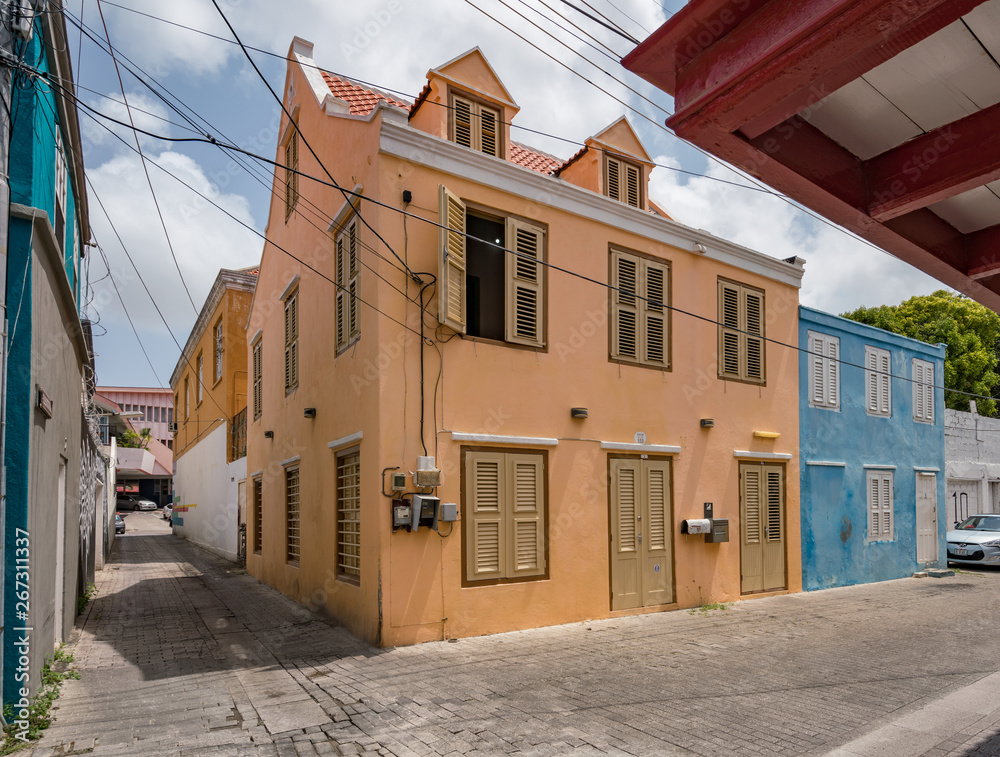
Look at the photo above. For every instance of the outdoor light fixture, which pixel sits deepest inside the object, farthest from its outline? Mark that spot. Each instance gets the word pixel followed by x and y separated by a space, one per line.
pixel 708 422
pixel 578 412
pixel 268 434
pixel 310 412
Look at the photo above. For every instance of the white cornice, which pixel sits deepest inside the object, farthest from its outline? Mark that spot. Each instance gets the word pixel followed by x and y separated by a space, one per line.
pixel 663 449
pixel 530 441
pixel 744 454
pixel 433 152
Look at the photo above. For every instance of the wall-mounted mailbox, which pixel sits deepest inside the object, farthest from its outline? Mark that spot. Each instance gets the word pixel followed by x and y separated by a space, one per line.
pixel 719 531
pixel 696 526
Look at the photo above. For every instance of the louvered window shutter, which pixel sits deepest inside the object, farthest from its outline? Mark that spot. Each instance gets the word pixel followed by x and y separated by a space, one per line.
pixel 612 179
pixel 753 303
pixel 632 185
pixel 874 507
pixel 452 260
pixel 871 380
pixel 624 306
pixel 929 392
pixel 463 121
pixel 525 543
pixel 752 505
pixel 886 504
pixel 485 527
pixel 833 373
pixel 817 372
pixel 885 403
pixel 729 331
pixel 628 503
pixel 525 306
pixel 341 295
pixel 655 277
pixel 658 503
pixel 353 325
pixel 918 390
pixel 489 131
pixel 774 496
pixel 257 367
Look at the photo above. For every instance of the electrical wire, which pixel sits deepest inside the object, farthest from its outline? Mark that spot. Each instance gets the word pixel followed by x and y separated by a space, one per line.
pixel 613 27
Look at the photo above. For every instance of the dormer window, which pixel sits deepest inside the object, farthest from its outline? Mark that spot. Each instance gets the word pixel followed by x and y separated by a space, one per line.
pixel 475 125
pixel 622 181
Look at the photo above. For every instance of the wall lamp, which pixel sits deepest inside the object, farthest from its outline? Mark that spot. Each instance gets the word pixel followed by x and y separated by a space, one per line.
pixel 310 412
pixel 708 422
pixel 578 412
pixel 268 434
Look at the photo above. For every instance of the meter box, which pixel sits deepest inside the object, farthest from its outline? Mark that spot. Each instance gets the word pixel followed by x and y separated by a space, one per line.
pixel 425 511
pixel 719 532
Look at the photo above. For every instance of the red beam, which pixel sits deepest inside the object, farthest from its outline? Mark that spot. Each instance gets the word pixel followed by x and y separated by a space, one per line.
pixel 936 165
pixel 790 55
pixel 984 253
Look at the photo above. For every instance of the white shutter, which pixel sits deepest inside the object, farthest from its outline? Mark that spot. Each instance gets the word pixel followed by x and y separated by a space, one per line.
pixel 929 392
pixel 923 390
pixel 824 371
pixel 833 373
pixel 451 261
pixel 880 506
pixel 885 403
pixel 525 306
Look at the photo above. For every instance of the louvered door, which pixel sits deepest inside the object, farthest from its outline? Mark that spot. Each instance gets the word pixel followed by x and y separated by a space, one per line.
pixel 641 534
pixel 762 527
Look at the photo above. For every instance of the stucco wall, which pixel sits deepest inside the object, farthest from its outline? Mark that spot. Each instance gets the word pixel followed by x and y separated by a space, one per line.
pixel 205 510
pixel 972 454
pixel 835 548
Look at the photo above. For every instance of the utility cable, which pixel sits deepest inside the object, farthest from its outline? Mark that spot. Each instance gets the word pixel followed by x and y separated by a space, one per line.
pixel 613 27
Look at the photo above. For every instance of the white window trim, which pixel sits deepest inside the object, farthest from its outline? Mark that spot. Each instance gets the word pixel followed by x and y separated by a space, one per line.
pixel 882 376
pixel 824 350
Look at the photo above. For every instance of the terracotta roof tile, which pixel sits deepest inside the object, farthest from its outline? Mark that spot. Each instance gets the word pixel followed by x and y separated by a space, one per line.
pixel 528 157
pixel 361 100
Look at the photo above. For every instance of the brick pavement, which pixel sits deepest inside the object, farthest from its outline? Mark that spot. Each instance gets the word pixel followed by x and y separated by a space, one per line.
pixel 182 654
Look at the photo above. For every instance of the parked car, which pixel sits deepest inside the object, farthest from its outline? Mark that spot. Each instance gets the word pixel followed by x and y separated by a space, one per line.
pixel 133 502
pixel 168 513
pixel 119 524
pixel 975 541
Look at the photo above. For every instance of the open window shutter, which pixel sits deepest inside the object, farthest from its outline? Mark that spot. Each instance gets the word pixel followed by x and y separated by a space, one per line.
pixel 625 311
pixel 754 305
pixel 524 283
pixel 833 372
pixel 463 122
pixel 451 264
pixel 525 519
pixel 489 131
pixel 485 523
pixel 341 298
pixel 654 320
pixel 354 328
pixel 729 335
pixel 612 183
pixel 288 331
pixel 884 387
pixel 632 188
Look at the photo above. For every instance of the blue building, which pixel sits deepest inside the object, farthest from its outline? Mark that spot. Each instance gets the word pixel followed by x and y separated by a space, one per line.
pixel 51 464
pixel 871 436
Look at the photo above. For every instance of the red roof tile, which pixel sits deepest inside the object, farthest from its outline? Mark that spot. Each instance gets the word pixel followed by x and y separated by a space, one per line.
pixel 528 157
pixel 361 100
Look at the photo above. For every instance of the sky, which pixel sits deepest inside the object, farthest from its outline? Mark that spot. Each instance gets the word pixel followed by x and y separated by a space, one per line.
pixel 158 251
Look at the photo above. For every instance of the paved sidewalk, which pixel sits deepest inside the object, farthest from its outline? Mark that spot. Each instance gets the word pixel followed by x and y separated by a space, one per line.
pixel 182 654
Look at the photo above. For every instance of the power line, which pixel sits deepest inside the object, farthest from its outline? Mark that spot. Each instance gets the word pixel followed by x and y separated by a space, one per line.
pixel 613 27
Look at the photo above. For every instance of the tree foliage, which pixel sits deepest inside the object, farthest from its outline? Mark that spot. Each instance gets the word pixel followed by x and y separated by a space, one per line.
pixel 129 439
pixel 970 331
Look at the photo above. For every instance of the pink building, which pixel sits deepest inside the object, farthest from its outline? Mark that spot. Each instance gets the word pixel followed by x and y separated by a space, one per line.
pixel 155 404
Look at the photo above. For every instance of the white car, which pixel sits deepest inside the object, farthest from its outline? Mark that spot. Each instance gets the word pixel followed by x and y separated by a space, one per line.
pixel 975 541
pixel 133 502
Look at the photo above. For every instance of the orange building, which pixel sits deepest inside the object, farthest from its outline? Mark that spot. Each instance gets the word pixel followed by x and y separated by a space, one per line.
pixel 210 411
pixel 563 375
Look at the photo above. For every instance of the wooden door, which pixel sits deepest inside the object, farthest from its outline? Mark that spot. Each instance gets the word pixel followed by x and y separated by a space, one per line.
pixel 762 527
pixel 927 527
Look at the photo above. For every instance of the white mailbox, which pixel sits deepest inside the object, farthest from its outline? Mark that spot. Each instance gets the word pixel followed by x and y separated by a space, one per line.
pixel 696 526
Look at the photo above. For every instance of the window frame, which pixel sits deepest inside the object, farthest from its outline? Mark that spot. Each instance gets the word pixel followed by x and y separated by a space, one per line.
pixel 922 372
pixel 199 393
pixel 291 341
pixel 467 455
pixel 877 533
pixel 617 305
pixel 878 382
pixel 60 185
pixel 290 471
pixel 187 398
pixel 291 147
pixel 742 332
pixel 218 337
pixel 826 362
pixel 342 456
pixel 623 167
pixel 457 100
pixel 348 322
pixel 519 233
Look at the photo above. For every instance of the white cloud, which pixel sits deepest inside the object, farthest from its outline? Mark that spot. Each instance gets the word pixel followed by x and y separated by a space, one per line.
pixel 147 114
pixel 841 271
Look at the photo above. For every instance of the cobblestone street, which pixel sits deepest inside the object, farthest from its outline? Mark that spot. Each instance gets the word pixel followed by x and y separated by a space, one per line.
pixel 183 654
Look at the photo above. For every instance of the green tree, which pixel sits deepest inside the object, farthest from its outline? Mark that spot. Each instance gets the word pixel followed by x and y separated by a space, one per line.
pixel 970 331
pixel 129 439
pixel 145 436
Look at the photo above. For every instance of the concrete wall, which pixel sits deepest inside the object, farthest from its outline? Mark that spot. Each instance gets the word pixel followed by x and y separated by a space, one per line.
pixel 205 511
pixel 835 549
pixel 972 458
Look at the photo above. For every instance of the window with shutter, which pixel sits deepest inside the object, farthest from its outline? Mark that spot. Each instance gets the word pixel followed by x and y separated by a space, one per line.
pixel 880 506
pixel 878 398
pixel 923 391
pixel 201 382
pixel 348 326
pixel 187 397
pixel 291 341
pixel 491 274
pixel 476 125
pixel 504 517
pixel 258 518
pixel 61 181
pixel 741 333
pixel 623 181
pixel 824 371
pixel 639 309
pixel 291 172
pixel 257 380
pixel 218 350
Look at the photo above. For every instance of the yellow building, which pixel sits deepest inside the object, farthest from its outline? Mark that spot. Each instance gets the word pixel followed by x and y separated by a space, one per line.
pixel 585 372
pixel 210 417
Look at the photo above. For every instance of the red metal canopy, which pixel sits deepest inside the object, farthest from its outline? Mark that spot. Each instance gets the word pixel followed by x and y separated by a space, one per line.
pixel 881 115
